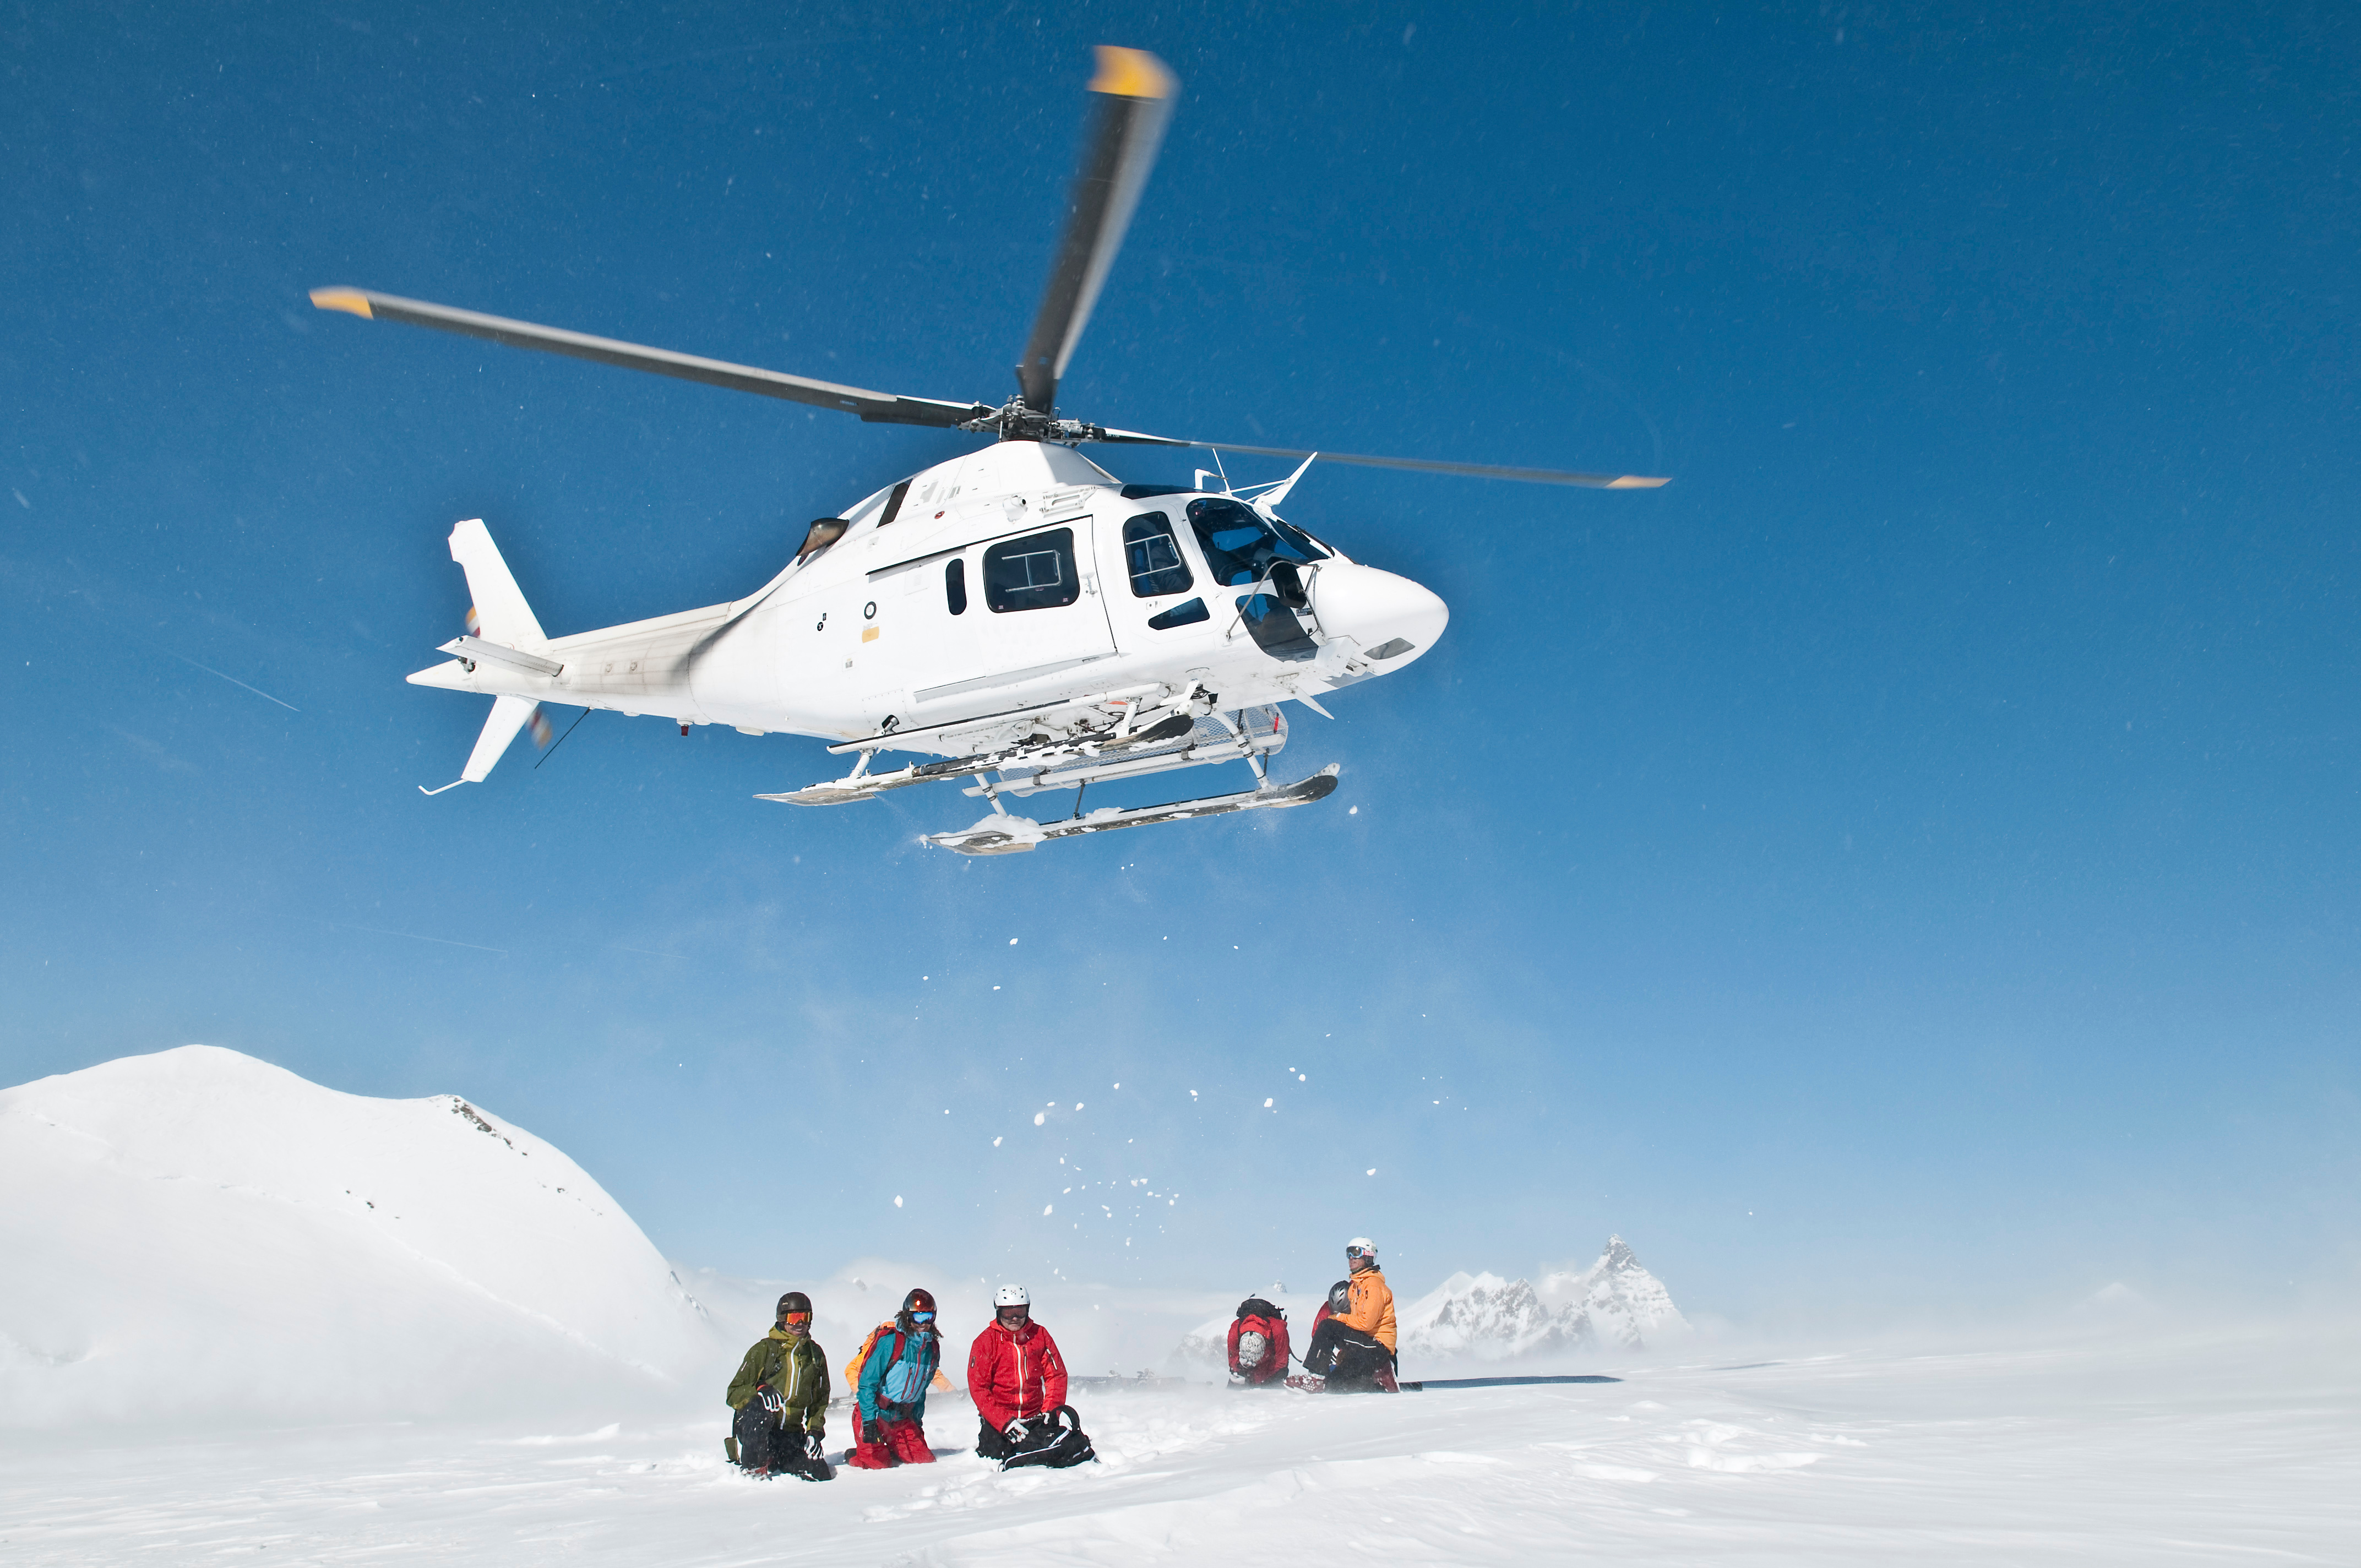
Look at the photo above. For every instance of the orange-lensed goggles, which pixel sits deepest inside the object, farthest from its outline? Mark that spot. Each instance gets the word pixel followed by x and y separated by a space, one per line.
pixel 794 1320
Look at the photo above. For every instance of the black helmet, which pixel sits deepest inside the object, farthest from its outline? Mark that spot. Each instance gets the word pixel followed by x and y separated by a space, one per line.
pixel 793 1301
pixel 1340 1296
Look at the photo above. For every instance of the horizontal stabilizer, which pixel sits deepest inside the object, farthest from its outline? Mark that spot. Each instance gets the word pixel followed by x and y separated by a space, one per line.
pixel 476 651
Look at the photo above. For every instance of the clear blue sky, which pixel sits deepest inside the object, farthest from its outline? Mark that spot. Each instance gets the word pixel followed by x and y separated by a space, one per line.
pixel 1915 849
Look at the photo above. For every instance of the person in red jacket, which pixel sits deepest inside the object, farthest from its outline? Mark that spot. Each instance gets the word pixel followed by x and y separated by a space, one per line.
pixel 1258 1349
pixel 1014 1375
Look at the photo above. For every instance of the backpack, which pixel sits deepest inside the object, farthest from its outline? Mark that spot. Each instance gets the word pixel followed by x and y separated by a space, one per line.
pixel 1059 1442
pixel 853 1367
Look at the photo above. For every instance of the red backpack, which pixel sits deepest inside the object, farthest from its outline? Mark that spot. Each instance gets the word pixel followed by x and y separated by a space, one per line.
pixel 1259 1318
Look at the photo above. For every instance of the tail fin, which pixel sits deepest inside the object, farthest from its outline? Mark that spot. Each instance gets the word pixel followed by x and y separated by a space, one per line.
pixel 508 716
pixel 501 614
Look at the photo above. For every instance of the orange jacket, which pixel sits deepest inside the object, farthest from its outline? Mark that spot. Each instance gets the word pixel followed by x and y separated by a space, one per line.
pixel 1372 1308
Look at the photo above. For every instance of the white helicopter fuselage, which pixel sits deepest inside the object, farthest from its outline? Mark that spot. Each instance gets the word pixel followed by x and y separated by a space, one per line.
pixel 1015 590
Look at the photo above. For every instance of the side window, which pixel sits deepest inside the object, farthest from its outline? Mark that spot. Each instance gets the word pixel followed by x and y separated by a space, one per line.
pixel 955 585
pixel 1154 557
pixel 1036 571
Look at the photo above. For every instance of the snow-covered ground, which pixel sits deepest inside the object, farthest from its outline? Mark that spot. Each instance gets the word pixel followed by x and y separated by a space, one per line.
pixel 244 1315
pixel 2212 1450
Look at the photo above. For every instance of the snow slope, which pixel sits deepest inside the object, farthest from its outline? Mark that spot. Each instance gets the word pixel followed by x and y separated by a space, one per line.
pixel 2194 1451
pixel 199 1234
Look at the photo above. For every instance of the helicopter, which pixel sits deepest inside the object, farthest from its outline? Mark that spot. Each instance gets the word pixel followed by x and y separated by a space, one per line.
pixel 1018 616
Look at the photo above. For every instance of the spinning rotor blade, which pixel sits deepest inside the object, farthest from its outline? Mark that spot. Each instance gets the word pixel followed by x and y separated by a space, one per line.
pixel 1416 465
pixel 1137 92
pixel 876 408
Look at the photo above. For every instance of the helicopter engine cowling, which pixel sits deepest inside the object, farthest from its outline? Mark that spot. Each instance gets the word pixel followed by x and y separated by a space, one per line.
pixel 1391 618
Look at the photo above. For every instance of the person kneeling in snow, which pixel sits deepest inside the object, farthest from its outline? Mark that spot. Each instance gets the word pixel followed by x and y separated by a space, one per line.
pixel 1018 1382
pixel 897 1366
pixel 1258 1345
pixel 781 1397
pixel 1353 1347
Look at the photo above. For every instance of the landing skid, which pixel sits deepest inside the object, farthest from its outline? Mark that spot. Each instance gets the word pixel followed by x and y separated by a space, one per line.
pixel 1001 834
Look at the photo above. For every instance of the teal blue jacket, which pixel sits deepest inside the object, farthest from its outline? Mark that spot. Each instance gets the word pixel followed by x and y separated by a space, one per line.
pixel 923 1351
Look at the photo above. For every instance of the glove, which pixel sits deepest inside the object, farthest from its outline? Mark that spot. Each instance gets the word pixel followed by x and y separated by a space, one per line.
pixel 1015 1430
pixel 816 1444
pixel 769 1398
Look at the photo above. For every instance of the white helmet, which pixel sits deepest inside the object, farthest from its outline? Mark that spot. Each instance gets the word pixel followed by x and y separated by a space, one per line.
pixel 1011 1295
pixel 1360 1247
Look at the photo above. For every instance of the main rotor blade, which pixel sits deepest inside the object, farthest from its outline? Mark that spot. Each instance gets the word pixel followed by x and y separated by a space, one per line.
pixel 1415 465
pixel 1137 92
pixel 876 408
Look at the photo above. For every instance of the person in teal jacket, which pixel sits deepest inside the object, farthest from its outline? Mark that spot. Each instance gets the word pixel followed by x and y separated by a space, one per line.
pixel 891 1421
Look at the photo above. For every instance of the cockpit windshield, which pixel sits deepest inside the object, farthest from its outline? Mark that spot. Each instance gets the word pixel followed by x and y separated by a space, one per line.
pixel 1242 546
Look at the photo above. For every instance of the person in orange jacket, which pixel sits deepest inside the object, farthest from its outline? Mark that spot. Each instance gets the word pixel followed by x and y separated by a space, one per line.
pixel 1353 1349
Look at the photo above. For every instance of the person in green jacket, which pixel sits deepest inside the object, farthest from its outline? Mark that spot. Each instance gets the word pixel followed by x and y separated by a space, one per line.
pixel 781 1397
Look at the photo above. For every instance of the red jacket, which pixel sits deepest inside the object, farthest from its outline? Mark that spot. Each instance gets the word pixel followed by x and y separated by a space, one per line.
pixel 1013 1374
pixel 1273 1365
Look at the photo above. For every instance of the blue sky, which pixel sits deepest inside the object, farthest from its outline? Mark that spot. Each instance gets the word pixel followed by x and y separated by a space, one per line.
pixel 1915 849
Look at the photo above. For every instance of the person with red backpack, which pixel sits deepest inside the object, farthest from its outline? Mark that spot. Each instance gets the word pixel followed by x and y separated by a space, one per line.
pixel 897 1364
pixel 1017 1379
pixel 1258 1345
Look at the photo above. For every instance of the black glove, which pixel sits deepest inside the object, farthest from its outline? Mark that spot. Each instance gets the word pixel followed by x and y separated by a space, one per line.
pixel 768 1397
pixel 816 1444
pixel 1015 1430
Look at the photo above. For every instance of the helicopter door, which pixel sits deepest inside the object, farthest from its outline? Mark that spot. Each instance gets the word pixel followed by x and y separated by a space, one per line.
pixel 1031 615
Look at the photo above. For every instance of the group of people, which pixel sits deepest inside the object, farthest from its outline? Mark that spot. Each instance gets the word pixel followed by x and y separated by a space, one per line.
pixel 1353 1337
pixel 1014 1375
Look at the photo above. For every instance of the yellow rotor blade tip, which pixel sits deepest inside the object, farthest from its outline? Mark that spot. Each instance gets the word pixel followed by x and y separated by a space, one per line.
pixel 1634 482
pixel 349 299
pixel 1132 73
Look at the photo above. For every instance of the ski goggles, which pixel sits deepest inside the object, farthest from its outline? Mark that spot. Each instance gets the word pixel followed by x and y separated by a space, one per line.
pixel 1360 1252
pixel 796 1320
pixel 922 1317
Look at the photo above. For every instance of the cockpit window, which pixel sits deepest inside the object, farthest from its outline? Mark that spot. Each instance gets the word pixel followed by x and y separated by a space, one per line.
pixel 1241 544
pixel 1154 557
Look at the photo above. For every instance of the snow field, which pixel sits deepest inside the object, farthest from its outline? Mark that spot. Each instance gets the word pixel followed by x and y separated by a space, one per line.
pixel 2194 1452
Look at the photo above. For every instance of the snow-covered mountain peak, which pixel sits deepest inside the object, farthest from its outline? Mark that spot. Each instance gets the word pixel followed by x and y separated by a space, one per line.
pixel 287 1224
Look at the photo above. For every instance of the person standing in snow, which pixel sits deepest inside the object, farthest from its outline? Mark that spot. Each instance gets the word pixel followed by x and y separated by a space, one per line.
pixel 1353 1348
pixel 780 1396
pixel 1016 1377
pixel 900 1363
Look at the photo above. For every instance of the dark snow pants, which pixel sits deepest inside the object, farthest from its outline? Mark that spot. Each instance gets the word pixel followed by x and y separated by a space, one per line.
pixel 768 1446
pixel 1349 1359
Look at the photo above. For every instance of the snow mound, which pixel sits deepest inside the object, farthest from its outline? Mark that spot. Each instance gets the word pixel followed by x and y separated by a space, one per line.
pixel 197 1232
pixel 1613 1304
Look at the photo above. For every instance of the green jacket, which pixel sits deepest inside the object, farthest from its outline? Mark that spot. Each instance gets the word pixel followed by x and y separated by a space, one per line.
pixel 806 1393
